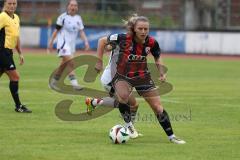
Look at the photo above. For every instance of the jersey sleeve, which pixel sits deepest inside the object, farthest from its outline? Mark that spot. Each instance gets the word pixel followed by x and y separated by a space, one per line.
pixel 114 38
pixel 80 23
pixel 60 20
pixel 156 50
pixel 18 19
pixel 2 21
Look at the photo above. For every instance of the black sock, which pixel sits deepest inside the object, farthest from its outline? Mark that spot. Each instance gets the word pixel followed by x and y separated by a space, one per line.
pixel 125 112
pixel 13 86
pixel 164 121
pixel 133 115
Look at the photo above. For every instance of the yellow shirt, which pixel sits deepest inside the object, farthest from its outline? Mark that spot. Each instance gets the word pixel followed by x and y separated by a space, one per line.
pixel 9 30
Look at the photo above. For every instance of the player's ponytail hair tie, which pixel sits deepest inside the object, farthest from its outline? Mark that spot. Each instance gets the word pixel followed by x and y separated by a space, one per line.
pixel 131 22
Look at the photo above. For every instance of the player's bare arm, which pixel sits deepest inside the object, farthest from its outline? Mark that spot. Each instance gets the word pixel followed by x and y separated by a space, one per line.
pixel 159 64
pixel 84 38
pixel 19 50
pixel 54 35
pixel 102 42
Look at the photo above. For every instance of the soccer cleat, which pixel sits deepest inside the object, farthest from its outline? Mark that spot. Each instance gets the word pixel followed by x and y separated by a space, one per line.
pixel 90 106
pixel 133 132
pixel 22 109
pixel 177 140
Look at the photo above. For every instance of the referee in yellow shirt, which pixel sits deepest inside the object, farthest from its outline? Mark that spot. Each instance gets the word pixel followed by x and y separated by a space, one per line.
pixel 9 40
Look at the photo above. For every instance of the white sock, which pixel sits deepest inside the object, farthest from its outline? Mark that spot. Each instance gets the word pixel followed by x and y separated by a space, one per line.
pixel 74 82
pixel 97 102
pixel 171 137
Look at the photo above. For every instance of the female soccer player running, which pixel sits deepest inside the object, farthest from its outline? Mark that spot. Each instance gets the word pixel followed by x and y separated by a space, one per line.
pixel 67 27
pixel 129 69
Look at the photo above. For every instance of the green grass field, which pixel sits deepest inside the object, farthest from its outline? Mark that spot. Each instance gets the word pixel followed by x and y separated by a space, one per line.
pixel 204 107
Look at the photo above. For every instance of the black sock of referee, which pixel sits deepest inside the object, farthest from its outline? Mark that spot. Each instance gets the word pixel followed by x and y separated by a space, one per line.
pixel 125 111
pixel 164 121
pixel 13 86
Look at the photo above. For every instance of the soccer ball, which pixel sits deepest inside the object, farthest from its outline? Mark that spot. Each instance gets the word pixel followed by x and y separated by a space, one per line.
pixel 119 134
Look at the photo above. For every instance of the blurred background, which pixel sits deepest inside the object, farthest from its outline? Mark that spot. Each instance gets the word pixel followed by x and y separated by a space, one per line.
pixel 164 14
pixel 170 19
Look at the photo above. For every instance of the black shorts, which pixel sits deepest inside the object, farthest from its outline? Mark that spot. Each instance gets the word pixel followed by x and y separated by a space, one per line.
pixel 6 60
pixel 140 84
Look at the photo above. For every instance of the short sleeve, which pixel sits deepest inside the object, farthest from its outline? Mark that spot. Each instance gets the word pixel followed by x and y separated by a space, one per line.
pixel 80 23
pixel 18 19
pixel 114 38
pixel 156 50
pixel 60 20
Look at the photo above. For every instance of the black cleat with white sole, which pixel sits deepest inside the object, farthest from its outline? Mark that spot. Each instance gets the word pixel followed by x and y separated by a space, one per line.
pixel 22 109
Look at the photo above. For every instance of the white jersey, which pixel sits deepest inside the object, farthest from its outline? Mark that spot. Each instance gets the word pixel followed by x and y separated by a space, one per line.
pixel 67 35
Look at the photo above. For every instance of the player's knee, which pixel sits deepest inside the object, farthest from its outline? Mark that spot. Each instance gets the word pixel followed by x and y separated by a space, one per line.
pixel 14 77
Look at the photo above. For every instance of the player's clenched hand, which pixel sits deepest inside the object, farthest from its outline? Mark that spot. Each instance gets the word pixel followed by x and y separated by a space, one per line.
pixel 99 66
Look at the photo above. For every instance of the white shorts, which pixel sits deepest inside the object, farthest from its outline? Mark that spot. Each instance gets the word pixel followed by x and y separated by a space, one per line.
pixel 66 50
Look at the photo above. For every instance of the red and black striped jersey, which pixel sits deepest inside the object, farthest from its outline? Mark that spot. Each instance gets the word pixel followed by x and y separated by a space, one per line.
pixel 131 57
